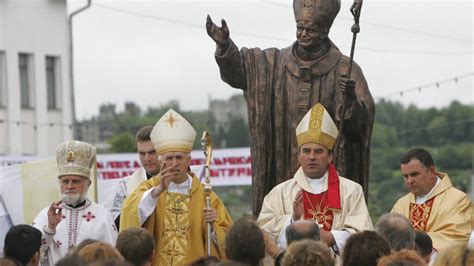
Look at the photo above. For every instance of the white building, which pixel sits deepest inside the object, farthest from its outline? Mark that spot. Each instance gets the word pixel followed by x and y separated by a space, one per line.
pixel 35 94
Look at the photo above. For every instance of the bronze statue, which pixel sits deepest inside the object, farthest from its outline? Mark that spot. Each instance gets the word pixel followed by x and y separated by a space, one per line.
pixel 281 85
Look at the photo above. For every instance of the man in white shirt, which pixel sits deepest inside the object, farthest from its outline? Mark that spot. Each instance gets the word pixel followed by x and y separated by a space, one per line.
pixel 149 168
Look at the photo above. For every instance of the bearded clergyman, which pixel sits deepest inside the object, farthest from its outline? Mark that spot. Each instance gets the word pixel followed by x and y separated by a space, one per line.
pixel 74 218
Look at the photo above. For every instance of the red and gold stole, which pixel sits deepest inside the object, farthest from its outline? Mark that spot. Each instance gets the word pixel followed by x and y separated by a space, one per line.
pixel 420 213
pixel 316 209
pixel 319 207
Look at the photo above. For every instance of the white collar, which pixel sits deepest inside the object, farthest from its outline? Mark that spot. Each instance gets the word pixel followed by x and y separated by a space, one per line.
pixel 182 188
pixel 317 184
pixel 424 198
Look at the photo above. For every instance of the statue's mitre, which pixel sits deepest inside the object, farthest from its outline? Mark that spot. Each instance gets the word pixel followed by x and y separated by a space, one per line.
pixel 319 11
pixel 75 158
pixel 172 133
pixel 317 127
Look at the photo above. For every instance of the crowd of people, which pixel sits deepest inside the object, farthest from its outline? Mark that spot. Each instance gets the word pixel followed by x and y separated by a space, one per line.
pixel 247 244
pixel 163 212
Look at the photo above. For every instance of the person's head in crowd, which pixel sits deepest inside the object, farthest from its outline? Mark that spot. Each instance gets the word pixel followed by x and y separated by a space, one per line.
pixel 205 261
pixel 84 243
pixel 99 252
pixel 302 229
pixel 8 262
pixel 397 230
pixel 307 252
pixel 136 245
pixel 245 242
pixel 72 259
pixel 22 244
pixel 364 248
pixel 112 262
pixel 418 170
pixel 424 245
pixel 403 257
pixel 456 255
pixel 146 151
pixel 230 263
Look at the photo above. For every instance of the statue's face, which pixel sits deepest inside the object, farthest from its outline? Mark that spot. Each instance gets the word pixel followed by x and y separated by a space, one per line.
pixel 309 35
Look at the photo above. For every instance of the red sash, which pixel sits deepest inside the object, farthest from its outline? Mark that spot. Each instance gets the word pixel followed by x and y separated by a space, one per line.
pixel 420 213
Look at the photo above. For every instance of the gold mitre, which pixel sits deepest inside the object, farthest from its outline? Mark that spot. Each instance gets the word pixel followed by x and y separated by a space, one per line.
pixel 172 133
pixel 317 127
pixel 75 158
pixel 316 10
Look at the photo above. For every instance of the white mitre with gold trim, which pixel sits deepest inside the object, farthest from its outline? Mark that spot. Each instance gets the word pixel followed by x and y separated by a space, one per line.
pixel 317 127
pixel 172 133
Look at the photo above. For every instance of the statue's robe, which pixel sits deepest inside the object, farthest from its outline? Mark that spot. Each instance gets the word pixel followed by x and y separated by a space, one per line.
pixel 279 89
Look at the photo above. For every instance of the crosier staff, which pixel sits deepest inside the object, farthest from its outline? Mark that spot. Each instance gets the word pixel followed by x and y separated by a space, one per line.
pixel 355 10
pixel 355 29
pixel 206 143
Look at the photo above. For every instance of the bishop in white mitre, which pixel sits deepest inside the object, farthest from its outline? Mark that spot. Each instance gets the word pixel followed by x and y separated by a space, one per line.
pixel 316 192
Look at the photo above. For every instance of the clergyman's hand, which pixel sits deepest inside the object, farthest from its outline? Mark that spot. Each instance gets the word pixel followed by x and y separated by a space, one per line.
pixel 219 34
pixel 298 206
pixel 166 176
pixel 347 87
pixel 54 214
pixel 271 248
pixel 210 215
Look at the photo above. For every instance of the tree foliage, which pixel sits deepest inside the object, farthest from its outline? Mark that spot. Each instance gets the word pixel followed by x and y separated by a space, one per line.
pixel 123 142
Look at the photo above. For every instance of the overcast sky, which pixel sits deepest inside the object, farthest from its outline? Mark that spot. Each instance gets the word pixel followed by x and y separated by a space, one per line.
pixel 151 52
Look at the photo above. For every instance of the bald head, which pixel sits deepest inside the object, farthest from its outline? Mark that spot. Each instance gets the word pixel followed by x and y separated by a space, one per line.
pixel 303 229
pixel 397 230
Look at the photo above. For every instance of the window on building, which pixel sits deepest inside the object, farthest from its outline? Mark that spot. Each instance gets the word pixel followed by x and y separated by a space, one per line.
pixel 52 82
pixel 25 81
pixel 3 80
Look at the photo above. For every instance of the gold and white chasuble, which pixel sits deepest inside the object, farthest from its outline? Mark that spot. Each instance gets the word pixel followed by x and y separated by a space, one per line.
pixel 445 215
pixel 352 216
pixel 177 222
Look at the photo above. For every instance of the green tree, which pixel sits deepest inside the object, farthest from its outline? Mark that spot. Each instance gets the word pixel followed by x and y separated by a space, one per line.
pixel 238 133
pixel 122 143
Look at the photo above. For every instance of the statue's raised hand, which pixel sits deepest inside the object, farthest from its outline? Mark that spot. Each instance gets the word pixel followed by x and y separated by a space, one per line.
pixel 219 34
